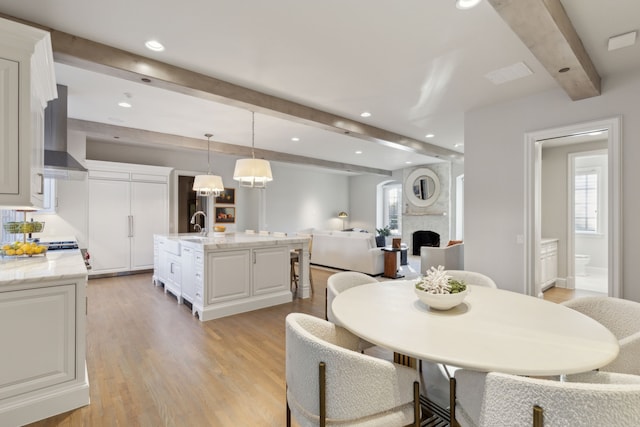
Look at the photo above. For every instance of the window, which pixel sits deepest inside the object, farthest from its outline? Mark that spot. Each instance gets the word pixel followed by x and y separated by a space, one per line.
pixel 392 208
pixel 587 201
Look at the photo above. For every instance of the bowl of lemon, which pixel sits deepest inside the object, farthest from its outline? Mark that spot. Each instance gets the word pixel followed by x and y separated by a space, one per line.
pixel 22 249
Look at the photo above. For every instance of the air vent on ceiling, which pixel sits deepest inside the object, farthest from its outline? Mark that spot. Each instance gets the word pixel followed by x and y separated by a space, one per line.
pixel 509 73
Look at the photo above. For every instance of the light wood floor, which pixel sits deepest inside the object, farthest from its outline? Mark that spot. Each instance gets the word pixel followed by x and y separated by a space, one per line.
pixel 151 363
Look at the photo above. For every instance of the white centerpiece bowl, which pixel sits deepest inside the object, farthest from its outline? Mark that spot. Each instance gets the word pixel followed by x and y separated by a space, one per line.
pixel 441 301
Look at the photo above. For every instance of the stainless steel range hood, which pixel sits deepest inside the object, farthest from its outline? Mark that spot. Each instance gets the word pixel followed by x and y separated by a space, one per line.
pixel 58 163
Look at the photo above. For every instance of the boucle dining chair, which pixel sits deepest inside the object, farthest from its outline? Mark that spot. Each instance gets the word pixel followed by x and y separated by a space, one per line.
pixel 340 282
pixel 622 318
pixel 330 383
pixel 472 278
pixel 588 399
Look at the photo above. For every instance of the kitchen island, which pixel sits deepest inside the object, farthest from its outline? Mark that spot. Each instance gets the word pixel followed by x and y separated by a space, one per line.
pixel 228 273
pixel 42 330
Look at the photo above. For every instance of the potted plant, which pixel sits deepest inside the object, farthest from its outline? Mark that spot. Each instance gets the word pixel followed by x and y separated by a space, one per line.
pixel 381 238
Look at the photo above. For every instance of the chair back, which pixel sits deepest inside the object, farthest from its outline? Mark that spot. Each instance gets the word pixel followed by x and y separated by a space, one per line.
pixel 621 317
pixel 357 385
pixel 279 234
pixel 472 278
pixel 590 399
pixel 340 282
pixel 250 231
pixel 263 233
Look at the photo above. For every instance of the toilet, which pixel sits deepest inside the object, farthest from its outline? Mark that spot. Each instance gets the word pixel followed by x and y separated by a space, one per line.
pixel 581 264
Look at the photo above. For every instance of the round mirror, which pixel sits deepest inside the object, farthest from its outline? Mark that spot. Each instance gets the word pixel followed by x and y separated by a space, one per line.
pixel 422 187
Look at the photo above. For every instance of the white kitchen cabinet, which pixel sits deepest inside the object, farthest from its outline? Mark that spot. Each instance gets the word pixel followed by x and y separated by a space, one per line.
pixel 548 263
pixel 191 272
pixel 128 204
pixel 43 370
pixel 229 275
pixel 27 82
pixel 271 268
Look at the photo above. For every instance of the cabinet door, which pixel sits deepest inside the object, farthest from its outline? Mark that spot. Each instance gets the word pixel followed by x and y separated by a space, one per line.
pixel 41 352
pixel 270 270
pixel 188 274
pixel 9 147
pixel 109 241
pixel 228 276
pixel 149 216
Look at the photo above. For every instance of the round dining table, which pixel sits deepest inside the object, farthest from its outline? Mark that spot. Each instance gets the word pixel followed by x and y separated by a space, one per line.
pixel 491 330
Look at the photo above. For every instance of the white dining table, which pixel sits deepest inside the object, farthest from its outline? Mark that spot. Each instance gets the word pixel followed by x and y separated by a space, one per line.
pixel 491 330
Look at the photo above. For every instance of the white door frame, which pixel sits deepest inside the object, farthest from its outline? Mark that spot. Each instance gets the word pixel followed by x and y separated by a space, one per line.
pixel 532 217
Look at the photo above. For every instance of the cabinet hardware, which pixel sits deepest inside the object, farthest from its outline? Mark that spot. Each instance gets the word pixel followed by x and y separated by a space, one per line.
pixel 130 217
pixel 41 190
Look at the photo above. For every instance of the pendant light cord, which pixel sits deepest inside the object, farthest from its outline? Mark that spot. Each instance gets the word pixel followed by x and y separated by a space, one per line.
pixel 208 135
pixel 253 134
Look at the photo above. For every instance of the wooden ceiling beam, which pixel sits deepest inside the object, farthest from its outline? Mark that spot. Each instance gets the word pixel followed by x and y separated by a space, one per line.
pixel 125 135
pixel 86 54
pixel 545 28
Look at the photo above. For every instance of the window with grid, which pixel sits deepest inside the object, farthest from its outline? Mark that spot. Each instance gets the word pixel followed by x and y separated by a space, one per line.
pixel 392 202
pixel 586 201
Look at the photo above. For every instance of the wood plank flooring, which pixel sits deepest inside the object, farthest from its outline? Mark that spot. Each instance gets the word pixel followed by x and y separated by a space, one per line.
pixel 151 363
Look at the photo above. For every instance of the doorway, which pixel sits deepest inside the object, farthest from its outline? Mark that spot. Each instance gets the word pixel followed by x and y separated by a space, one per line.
pixel 533 205
pixel 188 203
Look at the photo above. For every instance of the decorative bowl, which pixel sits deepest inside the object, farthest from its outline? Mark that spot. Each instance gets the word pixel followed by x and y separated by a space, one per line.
pixel 441 301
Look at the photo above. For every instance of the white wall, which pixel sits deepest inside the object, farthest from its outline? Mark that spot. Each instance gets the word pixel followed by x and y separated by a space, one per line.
pixel 298 197
pixel 494 176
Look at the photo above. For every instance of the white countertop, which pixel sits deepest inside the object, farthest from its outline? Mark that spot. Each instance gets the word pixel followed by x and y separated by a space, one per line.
pixel 234 240
pixel 492 330
pixel 52 266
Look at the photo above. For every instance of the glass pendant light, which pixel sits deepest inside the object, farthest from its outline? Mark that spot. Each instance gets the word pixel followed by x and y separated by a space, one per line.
pixel 254 173
pixel 208 185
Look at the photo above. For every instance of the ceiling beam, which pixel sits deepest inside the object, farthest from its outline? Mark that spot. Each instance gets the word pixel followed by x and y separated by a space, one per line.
pixel 125 135
pixel 83 53
pixel 545 28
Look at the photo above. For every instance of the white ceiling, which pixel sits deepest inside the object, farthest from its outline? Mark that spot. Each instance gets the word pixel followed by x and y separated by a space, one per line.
pixel 416 65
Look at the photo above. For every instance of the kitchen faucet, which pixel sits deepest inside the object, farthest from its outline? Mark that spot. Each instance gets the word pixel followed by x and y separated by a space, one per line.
pixel 196 227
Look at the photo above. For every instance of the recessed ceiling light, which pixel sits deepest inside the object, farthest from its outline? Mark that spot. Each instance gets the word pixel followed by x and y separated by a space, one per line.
pixel 154 45
pixel 466 4
pixel 358 152
pixel 408 162
pixel 429 135
pixel 458 145
pixel 295 138
pixel 365 114
pixel 124 104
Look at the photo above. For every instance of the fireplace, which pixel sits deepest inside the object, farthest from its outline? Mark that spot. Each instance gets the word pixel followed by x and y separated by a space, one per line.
pixel 424 238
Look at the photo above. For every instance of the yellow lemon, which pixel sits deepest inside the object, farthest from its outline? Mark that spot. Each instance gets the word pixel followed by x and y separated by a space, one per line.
pixel 11 252
pixel 6 247
pixel 19 252
pixel 39 249
pixel 28 251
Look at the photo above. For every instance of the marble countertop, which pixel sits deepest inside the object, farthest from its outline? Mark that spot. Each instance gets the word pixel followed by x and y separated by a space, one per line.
pixel 233 240
pixel 52 266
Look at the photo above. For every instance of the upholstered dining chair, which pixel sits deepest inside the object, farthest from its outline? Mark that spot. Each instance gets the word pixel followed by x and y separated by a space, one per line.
pixel 472 278
pixel 583 400
pixel 340 282
pixel 330 383
pixel 622 318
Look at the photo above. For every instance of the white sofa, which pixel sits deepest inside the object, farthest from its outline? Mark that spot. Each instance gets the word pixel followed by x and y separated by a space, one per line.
pixel 346 250
pixel 451 257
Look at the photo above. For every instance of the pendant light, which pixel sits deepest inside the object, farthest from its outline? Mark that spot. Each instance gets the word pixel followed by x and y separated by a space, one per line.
pixel 254 173
pixel 208 185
